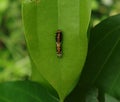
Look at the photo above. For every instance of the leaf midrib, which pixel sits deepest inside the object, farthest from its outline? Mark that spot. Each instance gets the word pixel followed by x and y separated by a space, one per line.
pixel 106 60
pixel 105 37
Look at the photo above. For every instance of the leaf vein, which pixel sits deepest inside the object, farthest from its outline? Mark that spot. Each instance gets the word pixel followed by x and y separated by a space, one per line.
pixel 107 35
pixel 106 60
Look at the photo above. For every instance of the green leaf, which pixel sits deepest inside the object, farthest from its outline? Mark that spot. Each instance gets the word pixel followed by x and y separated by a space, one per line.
pixel 102 67
pixel 109 98
pixel 25 91
pixel 92 96
pixel 42 18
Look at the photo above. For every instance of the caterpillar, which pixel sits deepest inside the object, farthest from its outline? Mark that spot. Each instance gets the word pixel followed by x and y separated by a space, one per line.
pixel 59 43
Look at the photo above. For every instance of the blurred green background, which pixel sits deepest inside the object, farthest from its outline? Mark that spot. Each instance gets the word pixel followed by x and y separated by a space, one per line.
pixel 14 60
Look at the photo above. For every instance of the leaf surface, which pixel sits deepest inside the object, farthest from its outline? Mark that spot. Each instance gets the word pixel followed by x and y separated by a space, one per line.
pixel 109 98
pixel 102 67
pixel 92 96
pixel 42 18
pixel 25 91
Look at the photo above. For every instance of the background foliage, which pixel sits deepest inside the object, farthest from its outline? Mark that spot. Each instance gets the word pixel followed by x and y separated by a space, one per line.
pixel 14 60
